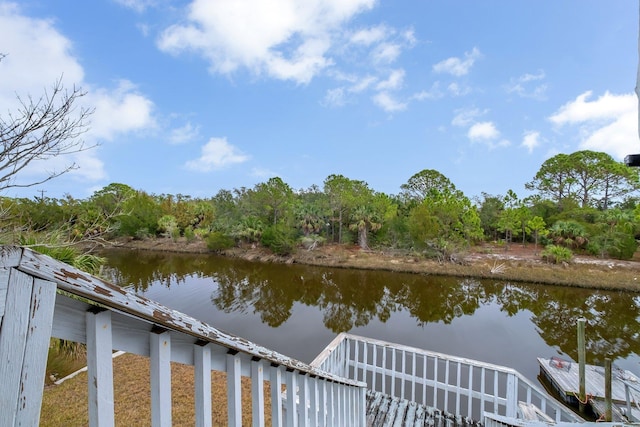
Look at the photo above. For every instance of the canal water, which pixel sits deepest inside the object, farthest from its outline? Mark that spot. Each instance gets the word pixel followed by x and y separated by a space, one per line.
pixel 297 310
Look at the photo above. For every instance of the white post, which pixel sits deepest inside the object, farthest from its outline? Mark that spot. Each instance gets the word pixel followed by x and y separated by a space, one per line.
pixel 512 395
pixel 160 365
pixel 292 385
pixel 362 420
pixel 100 367
pixel 202 372
pixel 257 393
pixel 313 402
pixel 322 403
pixel 276 396
pixel 234 397
pixel 303 409
pixel 24 340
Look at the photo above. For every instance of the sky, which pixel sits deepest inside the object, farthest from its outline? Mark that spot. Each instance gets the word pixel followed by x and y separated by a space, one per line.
pixel 194 96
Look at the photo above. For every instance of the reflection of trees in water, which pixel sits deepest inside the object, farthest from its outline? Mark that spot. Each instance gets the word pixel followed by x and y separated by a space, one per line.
pixel 352 298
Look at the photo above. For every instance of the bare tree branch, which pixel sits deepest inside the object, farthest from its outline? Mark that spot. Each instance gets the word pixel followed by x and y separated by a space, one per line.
pixel 42 129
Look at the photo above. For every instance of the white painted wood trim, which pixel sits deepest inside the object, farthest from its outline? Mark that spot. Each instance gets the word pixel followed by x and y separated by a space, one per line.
pixel 35 353
pixel 303 406
pixel 292 389
pixel 257 394
pixel 276 396
pixel 234 397
pixel 4 285
pixel 160 365
pixel 100 368
pixel 202 375
pixel 13 337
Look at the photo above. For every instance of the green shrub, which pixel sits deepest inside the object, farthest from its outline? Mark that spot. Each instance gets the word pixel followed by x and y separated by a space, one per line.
pixel 556 254
pixel 217 241
pixel 189 234
pixel 142 234
pixel 277 240
pixel 624 248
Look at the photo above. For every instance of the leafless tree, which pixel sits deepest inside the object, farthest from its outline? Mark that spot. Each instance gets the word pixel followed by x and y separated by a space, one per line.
pixel 41 129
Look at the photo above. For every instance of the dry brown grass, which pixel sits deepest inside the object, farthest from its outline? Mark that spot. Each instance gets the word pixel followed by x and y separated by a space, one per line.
pixel 66 404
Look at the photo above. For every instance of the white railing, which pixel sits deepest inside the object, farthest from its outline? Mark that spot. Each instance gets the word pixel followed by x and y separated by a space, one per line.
pixel 41 298
pixel 459 386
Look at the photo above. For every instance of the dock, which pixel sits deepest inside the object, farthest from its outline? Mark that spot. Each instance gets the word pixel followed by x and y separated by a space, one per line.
pixel 562 376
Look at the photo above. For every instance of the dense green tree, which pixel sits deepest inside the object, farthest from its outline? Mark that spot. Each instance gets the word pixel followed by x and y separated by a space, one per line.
pixel 444 222
pixel 344 195
pixel 489 213
pixel 140 216
pixel 421 184
pixel 275 198
pixel 591 178
pixel 537 227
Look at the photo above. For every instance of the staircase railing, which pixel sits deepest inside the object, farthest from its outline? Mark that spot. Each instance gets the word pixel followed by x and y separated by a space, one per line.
pixel 42 298
pixel 460 386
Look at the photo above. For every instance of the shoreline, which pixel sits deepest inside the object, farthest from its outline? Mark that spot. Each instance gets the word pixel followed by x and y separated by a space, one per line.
pixel 517 263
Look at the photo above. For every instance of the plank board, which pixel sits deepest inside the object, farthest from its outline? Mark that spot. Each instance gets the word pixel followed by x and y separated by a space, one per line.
pixel 565 379
pixel 386 411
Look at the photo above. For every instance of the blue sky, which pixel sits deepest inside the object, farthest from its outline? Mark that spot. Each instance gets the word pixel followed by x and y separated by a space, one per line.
pixel 195 96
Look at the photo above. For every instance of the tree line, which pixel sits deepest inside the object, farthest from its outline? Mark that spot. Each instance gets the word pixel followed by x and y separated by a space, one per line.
pixel 581 202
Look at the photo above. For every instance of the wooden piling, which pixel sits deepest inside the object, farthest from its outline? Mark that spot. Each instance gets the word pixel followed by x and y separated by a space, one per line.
pixel 607 389
pixel 581 364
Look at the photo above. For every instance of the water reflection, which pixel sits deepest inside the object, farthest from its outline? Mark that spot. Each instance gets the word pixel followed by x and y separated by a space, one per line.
pixel 351 299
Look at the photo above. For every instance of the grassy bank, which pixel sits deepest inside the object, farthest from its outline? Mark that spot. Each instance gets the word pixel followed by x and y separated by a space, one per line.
pixel 516 263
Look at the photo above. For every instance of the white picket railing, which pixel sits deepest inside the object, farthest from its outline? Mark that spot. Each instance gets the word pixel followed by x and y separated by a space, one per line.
pixel 107 317
pixel 457 385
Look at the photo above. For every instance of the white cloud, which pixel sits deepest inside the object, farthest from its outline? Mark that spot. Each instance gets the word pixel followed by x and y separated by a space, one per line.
pixel 335 97
pixel 386 53
pixel 137 5
pixel 385 101
pixel 487 134
pixel 466 117
pixel 531 140
pixel 456 89
pixel 184 134
pixel 362 84
pixel 38 56
pixel 119 111
pixel 456 66
pixel 483 131
pixel 216 154
pixel 522 86
pixel 607 107
pixel 28 42
pixel 369 36
pixel 434 92
pixel 286 39
pixel 393 82
pixel 609 123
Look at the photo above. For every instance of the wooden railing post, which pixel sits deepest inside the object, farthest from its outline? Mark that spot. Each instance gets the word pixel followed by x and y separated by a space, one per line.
pixel 234 391
pixel 100 368
pixel 202 371
pixel 160 354
pixel 292 388
pixel 257 393
pixel 26 312
pixel 276 396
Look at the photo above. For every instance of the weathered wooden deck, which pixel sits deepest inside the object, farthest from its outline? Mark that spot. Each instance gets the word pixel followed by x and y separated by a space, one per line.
pixel 387 411
pixel 564 379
